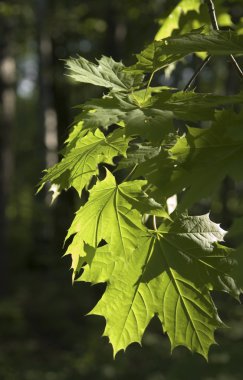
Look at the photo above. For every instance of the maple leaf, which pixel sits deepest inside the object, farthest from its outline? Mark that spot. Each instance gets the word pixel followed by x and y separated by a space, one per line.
pixel 81 161
pixel 160 54
pixel 170 274
pixel 107 73
pixel 113 213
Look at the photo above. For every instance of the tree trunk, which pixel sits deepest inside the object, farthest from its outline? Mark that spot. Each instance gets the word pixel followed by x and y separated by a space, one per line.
pixel 7 103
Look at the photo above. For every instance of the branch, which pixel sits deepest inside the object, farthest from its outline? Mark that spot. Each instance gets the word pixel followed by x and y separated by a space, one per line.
pixel 197 72
pixel 212 14
pixel 237 66
pixel 214 22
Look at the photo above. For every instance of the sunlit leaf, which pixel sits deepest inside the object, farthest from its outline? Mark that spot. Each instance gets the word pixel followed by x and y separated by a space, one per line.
pixel 107 73
pixel 170 274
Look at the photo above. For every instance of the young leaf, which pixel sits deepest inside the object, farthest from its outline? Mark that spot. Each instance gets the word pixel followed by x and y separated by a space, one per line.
pixel 107 73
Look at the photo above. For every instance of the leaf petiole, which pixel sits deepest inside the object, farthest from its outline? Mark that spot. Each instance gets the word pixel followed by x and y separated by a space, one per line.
pixel 130 173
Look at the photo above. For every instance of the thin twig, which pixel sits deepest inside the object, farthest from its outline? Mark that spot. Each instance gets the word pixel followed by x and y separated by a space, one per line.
pixel 154 223
pixel 214 22
pixel 197 72
pixel 212 14
pixel 237 66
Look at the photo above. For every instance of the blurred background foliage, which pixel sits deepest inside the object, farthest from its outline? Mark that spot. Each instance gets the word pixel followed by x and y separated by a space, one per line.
pixel 44 334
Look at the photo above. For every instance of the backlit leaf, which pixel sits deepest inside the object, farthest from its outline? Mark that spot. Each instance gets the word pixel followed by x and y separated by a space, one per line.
pixel 170 274
pixel 81 162
pixel 107 73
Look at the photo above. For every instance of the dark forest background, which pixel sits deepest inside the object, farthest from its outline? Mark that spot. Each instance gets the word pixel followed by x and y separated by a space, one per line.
pixel 44 334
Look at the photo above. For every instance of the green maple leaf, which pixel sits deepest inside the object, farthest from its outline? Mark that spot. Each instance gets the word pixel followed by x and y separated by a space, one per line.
pixel 107 73
pixel 170 275
pixel 81 161
pixel 77 132
pixel 113 213
pixel 168 272
pixel 160 54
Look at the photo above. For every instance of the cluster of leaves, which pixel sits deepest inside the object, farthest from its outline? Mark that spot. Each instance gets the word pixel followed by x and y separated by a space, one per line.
pixel 127 151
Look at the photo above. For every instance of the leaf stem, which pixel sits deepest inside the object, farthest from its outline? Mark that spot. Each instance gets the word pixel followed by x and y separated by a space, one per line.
pixel 147 187
pixel 130 173
pixel 148 85
pixel 154 223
